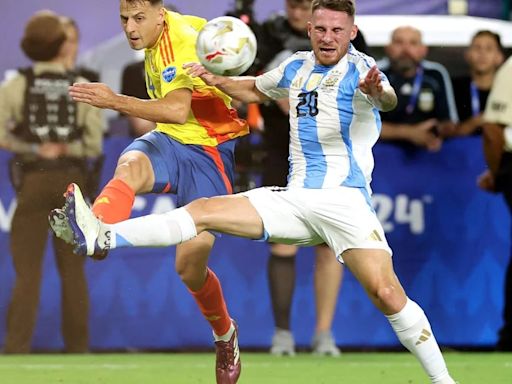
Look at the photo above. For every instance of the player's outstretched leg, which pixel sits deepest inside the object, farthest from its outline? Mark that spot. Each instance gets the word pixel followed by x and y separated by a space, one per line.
pixel 91 236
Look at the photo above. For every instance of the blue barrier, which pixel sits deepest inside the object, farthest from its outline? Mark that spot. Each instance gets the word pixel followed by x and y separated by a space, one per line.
pixel 450 242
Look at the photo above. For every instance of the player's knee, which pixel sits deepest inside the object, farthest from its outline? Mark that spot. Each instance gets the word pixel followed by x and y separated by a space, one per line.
pixel 388 298
pixel 132 172
pixel 189 273
pixel 200 209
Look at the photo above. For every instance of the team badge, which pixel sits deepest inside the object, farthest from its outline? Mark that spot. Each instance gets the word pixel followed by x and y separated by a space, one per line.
pixel 426 100
pixel 331 80
pixel 169 74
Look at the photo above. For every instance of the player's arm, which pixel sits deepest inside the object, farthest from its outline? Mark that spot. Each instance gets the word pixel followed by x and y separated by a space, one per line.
pixel 382 95
pixel 242 88
pixel 174 107
pixel 493 143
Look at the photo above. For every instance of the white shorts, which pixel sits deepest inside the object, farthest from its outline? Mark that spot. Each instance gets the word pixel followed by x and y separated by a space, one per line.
pixel 341 217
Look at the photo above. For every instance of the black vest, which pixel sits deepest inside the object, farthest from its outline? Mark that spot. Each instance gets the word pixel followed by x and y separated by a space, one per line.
pixel 49 114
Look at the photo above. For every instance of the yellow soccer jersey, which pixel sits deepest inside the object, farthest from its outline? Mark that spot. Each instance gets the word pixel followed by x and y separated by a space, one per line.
pixel 211 120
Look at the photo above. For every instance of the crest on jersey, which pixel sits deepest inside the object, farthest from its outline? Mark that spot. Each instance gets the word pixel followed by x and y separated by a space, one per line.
pixel 169 74
pixel 332 79
pixel 313 81
pixel 426 100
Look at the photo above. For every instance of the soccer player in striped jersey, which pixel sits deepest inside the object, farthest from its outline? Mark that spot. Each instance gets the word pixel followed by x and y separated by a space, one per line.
pixel 190 153
pixel 335 95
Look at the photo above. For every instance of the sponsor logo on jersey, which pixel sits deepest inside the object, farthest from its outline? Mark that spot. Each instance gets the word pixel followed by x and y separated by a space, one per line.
pixel 169 74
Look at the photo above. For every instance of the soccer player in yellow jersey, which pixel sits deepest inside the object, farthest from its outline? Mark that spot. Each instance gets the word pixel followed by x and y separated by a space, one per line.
pixel 190 153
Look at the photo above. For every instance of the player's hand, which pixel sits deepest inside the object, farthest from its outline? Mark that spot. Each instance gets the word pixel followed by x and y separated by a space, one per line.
pixel 486 181
pixel 372 84
pixel 197 70
pixel 423 135
pixel 51 151
pixel 96 94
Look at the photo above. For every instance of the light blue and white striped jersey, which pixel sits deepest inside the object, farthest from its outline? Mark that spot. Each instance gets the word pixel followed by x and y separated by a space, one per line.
pixel 333 125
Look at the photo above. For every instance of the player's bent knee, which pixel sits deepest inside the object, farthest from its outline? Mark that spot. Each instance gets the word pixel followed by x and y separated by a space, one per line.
pixel 133 172
pixel 190 273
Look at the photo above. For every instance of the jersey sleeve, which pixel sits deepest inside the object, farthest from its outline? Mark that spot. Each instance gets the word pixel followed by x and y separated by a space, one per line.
pixel 276 83
pixel 173 76
pixel 499 104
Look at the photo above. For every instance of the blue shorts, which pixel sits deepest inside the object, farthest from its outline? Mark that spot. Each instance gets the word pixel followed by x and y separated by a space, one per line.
pixel 187 170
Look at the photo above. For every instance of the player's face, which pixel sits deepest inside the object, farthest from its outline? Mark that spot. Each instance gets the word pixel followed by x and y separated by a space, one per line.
pixel 406 49
pixel 142 23
pixel 484 55
pixel 298 15
pixel 330 33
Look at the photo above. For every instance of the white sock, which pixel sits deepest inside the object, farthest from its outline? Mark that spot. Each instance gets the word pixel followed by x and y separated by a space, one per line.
pixel 414 332
pixel 162 230
pixel 226 336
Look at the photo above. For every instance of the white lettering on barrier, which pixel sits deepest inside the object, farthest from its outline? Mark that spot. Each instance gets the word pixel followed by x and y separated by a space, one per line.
pixel 161 204
pixel 401 210
pixel 6 214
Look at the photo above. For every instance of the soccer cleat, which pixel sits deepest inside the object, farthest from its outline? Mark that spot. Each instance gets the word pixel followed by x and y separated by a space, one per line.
pixel 283 343
pixel 85 226
pixel 60 225
pixel 228 364
pixel 323 344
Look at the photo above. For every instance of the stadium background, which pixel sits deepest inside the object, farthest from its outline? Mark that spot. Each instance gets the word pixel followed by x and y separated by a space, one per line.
pixel 451 241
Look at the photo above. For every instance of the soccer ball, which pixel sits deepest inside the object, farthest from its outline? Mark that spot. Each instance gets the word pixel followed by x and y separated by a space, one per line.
pixel 226 46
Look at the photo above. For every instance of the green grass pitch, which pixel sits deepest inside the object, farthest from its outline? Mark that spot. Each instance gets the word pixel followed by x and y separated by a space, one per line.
pixel 190 368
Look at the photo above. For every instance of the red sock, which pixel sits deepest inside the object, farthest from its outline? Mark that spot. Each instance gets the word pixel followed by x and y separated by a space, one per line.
pixel 212 305
pixel 114 204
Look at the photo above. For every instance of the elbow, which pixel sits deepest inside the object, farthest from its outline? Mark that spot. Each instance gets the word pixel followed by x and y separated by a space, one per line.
pixel 182 118
pixel 390 105
pixel 492 133
pixel 175 115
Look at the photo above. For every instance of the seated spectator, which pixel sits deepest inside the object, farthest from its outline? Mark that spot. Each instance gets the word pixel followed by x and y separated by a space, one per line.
pixel 426 111
pixel 484 56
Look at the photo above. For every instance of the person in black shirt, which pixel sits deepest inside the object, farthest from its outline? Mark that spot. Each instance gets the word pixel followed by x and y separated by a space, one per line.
pixel 484 56
pixel 426 110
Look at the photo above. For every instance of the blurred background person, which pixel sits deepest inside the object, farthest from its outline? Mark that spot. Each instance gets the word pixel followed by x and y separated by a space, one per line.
pixel 133 84
pixel 426 111
pixel 483 56
pixel 51 139
pixel 497 140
